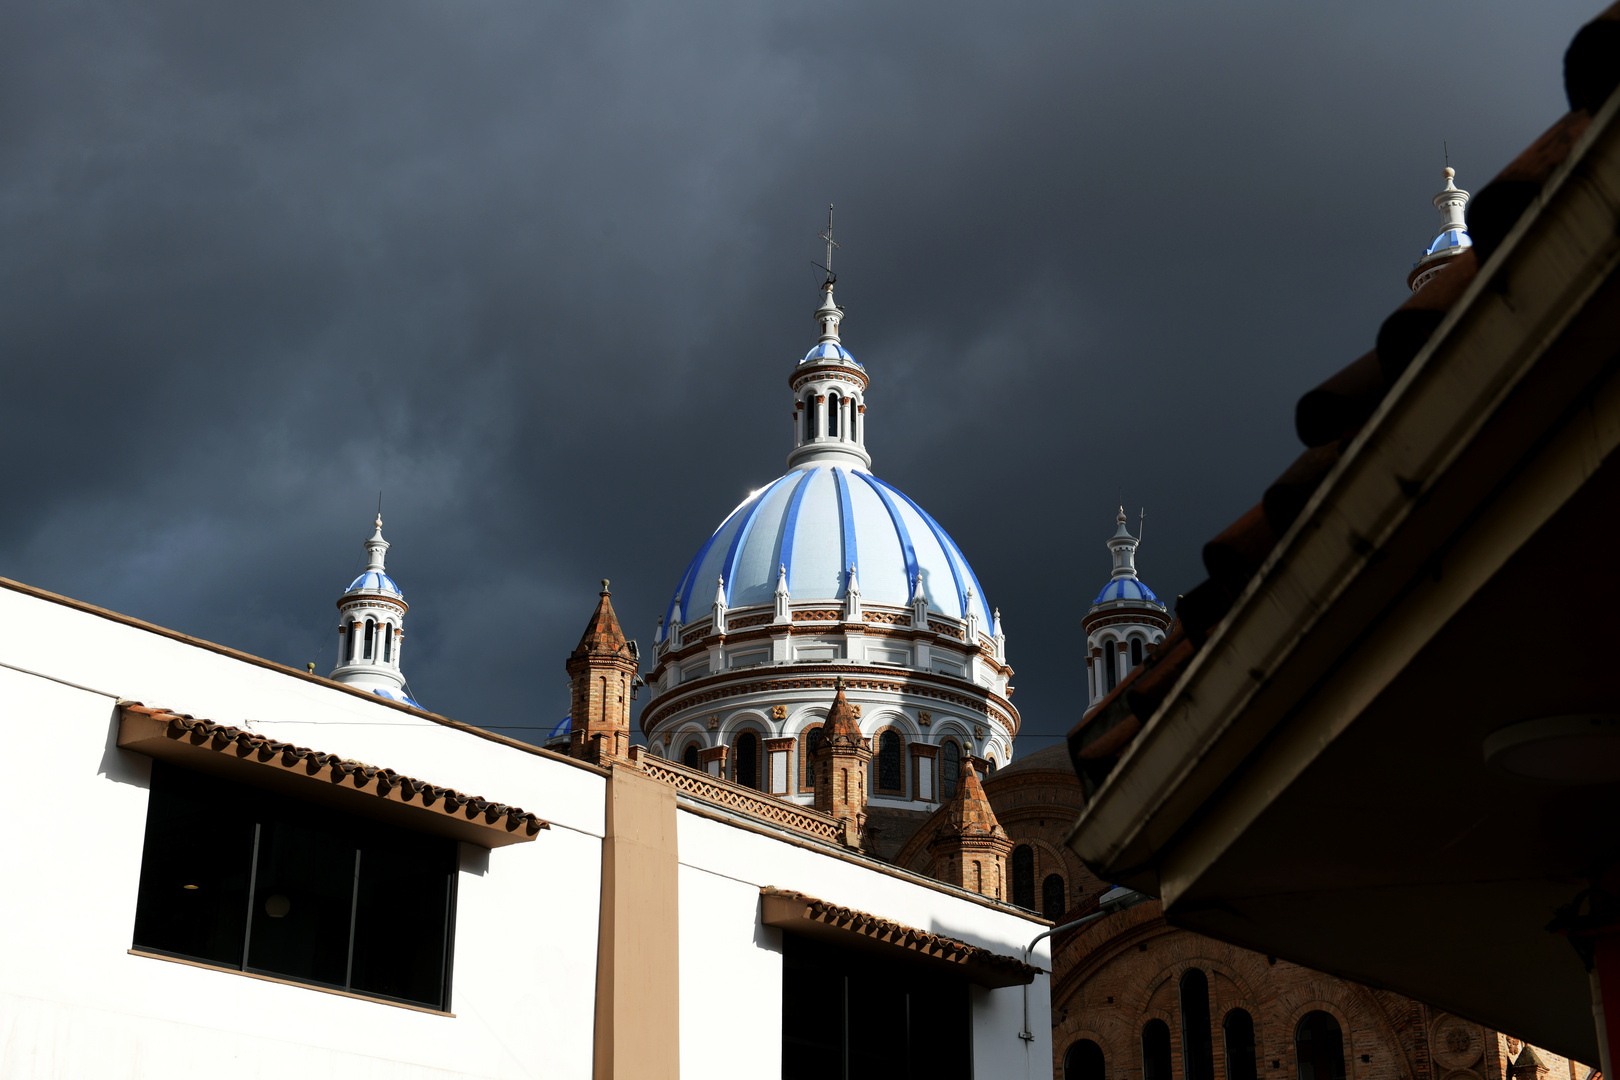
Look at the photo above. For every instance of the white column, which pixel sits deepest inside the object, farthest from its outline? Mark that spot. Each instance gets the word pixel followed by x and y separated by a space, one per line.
pixel 860 424
pixel 844 431
pixel 821 416
pixel 1124 659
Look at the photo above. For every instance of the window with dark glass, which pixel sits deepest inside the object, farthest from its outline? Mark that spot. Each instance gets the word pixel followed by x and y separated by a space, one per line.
pixel 1197 1042
pixel 1083 1061
pixel 371 630
pixel 1023 876
pixel 809 418
pixel 811 741
pixel 1238 1032
pixel 690 757
pixel 854 1016
pixel 833 401
pixel 1136 651
pixel 349 645
pixel 1156 1050
pixel 243 879
pixel 989 767
pixel 950 769
pixel 890 768
pixel 1108 662
pixel 1054 898
pixel 388 642
pixel 748 760
pixel 1319 1047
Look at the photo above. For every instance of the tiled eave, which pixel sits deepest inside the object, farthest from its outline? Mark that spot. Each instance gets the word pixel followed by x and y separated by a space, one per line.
pixel 324 779
pixel 809 917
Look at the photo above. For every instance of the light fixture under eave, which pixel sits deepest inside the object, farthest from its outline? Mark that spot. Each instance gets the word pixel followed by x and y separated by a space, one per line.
pixel 193 888
pixel 1582 748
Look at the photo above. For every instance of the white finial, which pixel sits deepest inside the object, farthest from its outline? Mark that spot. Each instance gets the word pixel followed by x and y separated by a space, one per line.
pixel 781 579
pixel 720 591
pixel 782 613
pixel 376 547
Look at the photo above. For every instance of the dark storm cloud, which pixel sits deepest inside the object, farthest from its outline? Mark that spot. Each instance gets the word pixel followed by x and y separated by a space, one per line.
pixel 540 273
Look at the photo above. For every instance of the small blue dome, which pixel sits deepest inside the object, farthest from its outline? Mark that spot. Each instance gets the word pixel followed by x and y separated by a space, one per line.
pixel 562 730
pixel 1450 239
pixel 830 350
pixel 375 581
pixel 395 695
pixel 1126 588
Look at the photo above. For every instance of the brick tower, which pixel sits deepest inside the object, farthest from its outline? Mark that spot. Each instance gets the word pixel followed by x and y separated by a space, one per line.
pixel 603 670
pixel 842 758
pixel 971 849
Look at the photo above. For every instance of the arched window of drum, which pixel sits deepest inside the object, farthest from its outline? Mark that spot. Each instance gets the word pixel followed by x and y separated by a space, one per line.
pixel 1319 1047
pixel 348 644
pixel 371 633
pixel 388 642
pixel 812 739
pixel 1084 1061
pixel 890 759
pixel 1197 1044
pixel 809 417
pixel 748 759
pixel 689 757
pixel 1136 651
pixel 1156 1050
pixel 833 402
pixel 1054 897
pixel 950 769
pixel 1110 661
pixel 1238 1032
pixel 1023 876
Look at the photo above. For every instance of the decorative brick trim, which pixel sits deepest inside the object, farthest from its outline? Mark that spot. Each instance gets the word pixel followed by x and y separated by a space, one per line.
pixel 892 618
pixel 801 914
pixel 946 630
pixel 819 615
pixel 324 779
pixel 733 625
pixel 745 800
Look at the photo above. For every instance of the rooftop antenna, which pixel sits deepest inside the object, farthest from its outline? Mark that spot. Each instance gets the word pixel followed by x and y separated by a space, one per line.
pixel 1446 150
pixel 831 243
pixel 379 502
pixel 1141 526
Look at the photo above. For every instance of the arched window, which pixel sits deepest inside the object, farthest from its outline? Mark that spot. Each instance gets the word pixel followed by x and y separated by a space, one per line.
pixel 371 634
pixel 1084 1061
pixel 388 642
pixel 807 752
pixel 1054 897
pixel 348 645
pixel 1023 876
pixel 1319 1047
pixel 747 752
pixel 689 757
pixel 1110 666
pixel 1238 1029
pixel 1197 1043
pixel 833 401
pixel 1155 1050
pixel 950 769
pixel 809 417
pixel 1136 651
pixel 989 767
pixel 890 761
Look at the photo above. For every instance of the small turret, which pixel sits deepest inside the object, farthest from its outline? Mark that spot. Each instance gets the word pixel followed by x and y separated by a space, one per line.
pixel 1452 239
pixel 852 597
pixel 783 613
pixel 371 626
pixel 602 673
pixel 971 848
pixel 842 759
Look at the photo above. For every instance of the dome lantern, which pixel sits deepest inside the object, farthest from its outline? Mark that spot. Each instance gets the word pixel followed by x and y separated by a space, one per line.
pixel 371 627
pixel 1452 239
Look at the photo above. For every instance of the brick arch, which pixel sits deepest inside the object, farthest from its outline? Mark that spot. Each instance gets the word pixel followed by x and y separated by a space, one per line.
pixel 1061 1044
pixel 736 727
pixel 742 720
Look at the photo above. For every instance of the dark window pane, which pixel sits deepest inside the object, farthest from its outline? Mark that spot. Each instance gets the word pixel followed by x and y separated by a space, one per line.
pixel 1084 1061
pixel 1054 898
pixel 1197 1043
pixel 811 741
pixel 1136 651
pixel 388 643
pixel 748 760
pixel 1023 876
pixel 1109 653
pixel 690 757
pixel 348 654
pixel 194 869
pixel 889 762
pixel 402 917
pixel 371 629
pixel 1238 1029
pixel 950 769
pixel 1156 1050
pixel 832 414
pixel 1319 1047
pixel 303 901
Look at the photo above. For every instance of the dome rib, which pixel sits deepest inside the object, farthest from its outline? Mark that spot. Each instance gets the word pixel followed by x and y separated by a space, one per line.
pixel 728 569
pixel 791 523
pixel 946 545
pixel 846 533
pixel 900 529
pixel 683 596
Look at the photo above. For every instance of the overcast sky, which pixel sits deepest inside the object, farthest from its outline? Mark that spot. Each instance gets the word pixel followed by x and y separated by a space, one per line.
pixel 539 272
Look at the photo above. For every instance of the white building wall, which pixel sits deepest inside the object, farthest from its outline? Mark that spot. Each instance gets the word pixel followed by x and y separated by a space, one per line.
pixel 724 947
pixel 75 1003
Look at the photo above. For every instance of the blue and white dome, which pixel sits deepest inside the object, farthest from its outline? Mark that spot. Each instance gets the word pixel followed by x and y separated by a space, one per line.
pixel 1126 588
pixel 1450 240
pixel 814 524
pixel 830 350
pixel 375 581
